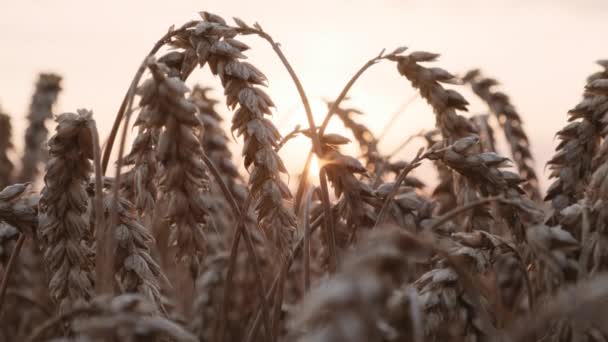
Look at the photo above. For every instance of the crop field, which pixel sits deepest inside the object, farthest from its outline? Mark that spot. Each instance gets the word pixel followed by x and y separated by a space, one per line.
pixel 159 231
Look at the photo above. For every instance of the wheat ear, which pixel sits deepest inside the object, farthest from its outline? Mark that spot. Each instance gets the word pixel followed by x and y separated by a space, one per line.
pixel 48 87
pixel 212 42
pixel 572 164
pixel 64 231
pixel 511 123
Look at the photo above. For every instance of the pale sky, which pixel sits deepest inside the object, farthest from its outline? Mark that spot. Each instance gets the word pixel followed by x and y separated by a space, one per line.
pixel 541 51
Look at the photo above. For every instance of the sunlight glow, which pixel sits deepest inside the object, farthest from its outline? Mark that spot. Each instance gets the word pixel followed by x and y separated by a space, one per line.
pixel 313 170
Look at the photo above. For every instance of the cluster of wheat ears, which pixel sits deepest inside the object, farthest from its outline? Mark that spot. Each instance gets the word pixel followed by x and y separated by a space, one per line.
pixel 177 245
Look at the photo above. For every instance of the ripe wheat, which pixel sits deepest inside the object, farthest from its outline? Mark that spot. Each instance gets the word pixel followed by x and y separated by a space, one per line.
pixel 154 253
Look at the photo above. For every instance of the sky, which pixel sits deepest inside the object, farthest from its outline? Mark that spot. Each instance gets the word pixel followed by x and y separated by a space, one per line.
pixel 541 51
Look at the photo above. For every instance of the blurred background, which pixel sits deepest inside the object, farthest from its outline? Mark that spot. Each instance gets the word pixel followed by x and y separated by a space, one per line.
pixel 540 51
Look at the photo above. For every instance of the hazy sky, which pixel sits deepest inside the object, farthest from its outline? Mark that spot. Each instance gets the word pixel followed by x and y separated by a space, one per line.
pixel 541 51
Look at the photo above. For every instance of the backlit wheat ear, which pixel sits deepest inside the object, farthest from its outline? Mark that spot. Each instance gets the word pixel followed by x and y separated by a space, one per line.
pixel 357 209
pixel 6 166
pixel 572 164
pixel 41 111
pixel 445 104
pixel 212 42
pixel 512 126
pixel 183 175
pixel 64 229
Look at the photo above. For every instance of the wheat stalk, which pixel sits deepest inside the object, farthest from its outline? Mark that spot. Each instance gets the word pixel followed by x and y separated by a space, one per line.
pixel 212 42
pixel 209 285
pixel 6 166
pixel 64 232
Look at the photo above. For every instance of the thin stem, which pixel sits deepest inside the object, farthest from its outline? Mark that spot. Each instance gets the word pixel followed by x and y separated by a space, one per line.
pixel 330 231
pixel 103 268
pixel 286 265
pixel 223 317
pixel 260 281
pixel 30 300
pixel 404 144
pixel 109 231
pixel 278 301
pixel 131 91
pixel 241 230
pixel 332 109
pixel 294 133
pixel 459 210
pixel 406 170
pixel 586 249
pixel 316 142
pixel 303 183
pixel 396 115
pixel 336 104
pixel 9 267
pixel 306 253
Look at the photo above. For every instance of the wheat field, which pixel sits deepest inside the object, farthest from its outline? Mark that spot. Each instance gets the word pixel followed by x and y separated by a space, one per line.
pixel 157 232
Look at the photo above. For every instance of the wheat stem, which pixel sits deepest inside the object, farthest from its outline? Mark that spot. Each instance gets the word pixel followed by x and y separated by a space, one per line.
pixel 330 112
pixel 330 229
pixel 307 232
pixel 390 123
pixel 406 170
pixel 12 261
pixel 103 265
pixel 311 121
pixel 241 230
